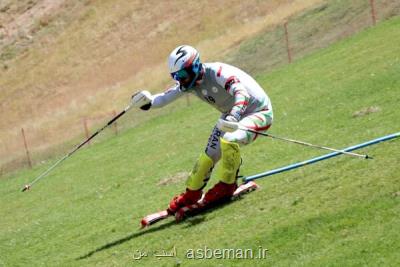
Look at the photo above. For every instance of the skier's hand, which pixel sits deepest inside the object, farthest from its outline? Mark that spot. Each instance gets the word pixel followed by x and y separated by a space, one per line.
pixel 142 100
pixel 231 118
pixel 227 126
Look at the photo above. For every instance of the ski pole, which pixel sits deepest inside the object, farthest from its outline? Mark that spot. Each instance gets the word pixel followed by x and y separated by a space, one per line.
pixel 230 126
pixel 28 186
pixel 307 144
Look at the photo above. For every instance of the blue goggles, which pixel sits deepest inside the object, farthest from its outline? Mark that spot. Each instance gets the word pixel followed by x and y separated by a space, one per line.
pixel 180 75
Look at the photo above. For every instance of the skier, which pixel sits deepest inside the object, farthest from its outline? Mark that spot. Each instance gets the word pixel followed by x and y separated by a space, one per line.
pixel 237 96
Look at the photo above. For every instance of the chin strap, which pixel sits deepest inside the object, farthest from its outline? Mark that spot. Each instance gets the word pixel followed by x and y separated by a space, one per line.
pixel 194 80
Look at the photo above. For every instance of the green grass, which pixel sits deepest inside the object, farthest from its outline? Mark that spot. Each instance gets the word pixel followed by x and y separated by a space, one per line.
pixel 310 30
pixel 340 212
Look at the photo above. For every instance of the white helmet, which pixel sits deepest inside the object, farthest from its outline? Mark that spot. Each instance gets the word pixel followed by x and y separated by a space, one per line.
pixel 184 66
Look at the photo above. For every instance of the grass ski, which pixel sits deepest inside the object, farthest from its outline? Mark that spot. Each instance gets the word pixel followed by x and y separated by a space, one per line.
pixel 195 208
pixel 199 207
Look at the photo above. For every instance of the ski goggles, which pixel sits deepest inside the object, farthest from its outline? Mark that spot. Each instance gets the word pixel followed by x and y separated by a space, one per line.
pixel 180 75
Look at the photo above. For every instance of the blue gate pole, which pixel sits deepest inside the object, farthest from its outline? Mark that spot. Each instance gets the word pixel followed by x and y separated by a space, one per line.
pixel 323 157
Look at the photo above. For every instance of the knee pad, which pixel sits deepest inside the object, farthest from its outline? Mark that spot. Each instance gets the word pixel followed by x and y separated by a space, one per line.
pixel 230 162
pixel 201 172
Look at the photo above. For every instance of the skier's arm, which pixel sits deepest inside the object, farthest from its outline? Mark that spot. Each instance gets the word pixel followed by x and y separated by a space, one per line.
pixel 144 100
pixel 162 99
pixel 239 92
pixel 225 76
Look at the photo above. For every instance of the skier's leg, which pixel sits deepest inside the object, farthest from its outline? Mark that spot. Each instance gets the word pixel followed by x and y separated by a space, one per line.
pixel 227 173
pixel 200 174
pixel 229 146
pixel 260 121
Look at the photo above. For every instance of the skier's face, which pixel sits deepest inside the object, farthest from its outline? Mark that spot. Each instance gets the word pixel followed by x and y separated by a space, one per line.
pixel 186 82
pixel 183 76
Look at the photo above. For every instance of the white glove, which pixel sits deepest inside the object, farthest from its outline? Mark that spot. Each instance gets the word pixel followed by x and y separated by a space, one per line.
pixel 142 100
pixel 231 118
pixel 227 126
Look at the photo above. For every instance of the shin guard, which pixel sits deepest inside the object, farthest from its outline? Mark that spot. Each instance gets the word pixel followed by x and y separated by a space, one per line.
pixel 230 162
pixel 200 173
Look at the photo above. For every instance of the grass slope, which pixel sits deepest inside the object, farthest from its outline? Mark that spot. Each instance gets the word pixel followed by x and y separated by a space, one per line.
pixel 340 212
pixel 74 59
pixel 315 28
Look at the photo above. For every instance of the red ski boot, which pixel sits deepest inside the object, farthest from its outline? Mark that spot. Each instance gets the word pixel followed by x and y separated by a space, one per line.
pixel 219 193
pixel 187 198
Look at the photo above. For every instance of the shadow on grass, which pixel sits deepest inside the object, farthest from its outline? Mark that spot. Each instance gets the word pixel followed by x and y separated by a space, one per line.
pixel 190 222
pixel 194 221
pixel 201 216
pixel 125 239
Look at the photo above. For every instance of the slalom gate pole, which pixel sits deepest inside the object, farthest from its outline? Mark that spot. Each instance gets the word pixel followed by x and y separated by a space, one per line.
pixel 320 158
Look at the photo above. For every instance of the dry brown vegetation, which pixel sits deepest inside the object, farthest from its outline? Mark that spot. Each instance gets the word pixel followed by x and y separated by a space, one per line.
pixel 63 60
